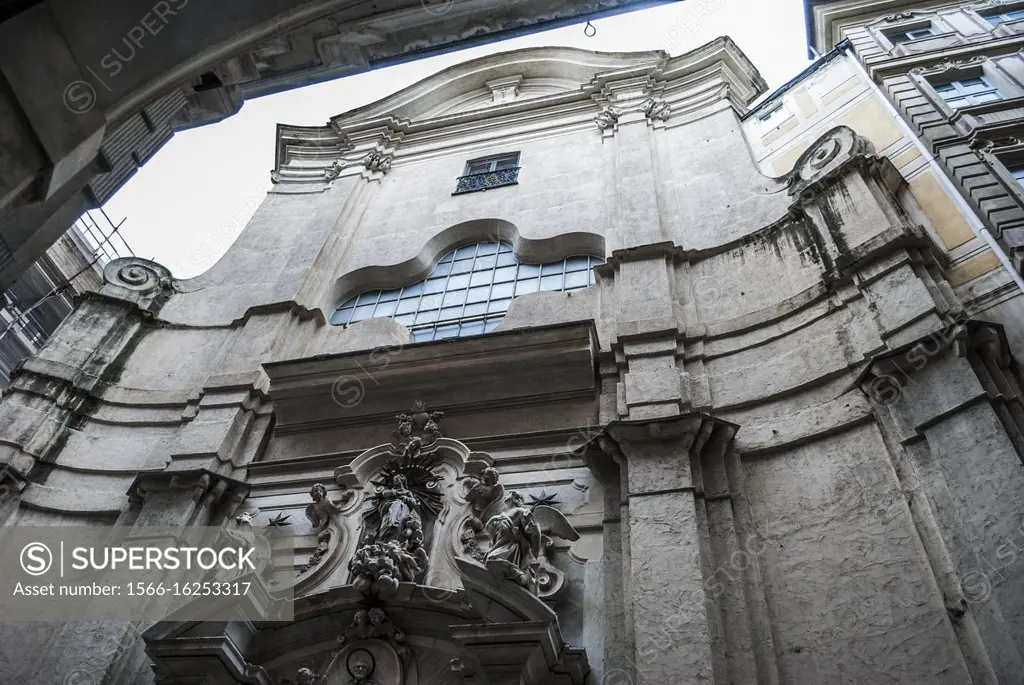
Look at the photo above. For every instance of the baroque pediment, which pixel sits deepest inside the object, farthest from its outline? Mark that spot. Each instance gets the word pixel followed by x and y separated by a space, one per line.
pixel 488 82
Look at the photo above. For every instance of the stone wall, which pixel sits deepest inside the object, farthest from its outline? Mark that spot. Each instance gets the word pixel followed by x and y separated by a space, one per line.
pixel 787 451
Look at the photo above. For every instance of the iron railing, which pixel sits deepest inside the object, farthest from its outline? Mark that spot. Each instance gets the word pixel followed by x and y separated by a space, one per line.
pixel 486 180
pixel 102 236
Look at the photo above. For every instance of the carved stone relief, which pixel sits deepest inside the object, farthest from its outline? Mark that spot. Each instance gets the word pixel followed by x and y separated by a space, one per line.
pixel 606 118
pixel 322 514
pixel 406 503
pixel 136 273
pixel 657 109
pixel 378 161
pixel 512 537
pixel 949 65
pixel 827 154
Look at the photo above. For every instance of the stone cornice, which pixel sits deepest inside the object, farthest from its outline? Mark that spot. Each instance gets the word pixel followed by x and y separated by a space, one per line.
pixel 953 56
pixel 348 388
pixel 309 158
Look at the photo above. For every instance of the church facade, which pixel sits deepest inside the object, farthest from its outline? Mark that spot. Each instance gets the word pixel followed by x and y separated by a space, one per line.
pixel 568 368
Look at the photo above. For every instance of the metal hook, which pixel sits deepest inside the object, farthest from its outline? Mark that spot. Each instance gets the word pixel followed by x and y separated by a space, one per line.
pixel 589 30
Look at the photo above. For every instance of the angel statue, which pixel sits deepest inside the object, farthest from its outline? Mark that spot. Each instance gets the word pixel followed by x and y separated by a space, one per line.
pixel 518 539
pixel 322 509
pixel 484 493
pixel 397 506
pixel 320 513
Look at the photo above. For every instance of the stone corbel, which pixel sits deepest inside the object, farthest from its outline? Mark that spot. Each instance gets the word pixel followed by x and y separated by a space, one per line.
pixel 655 109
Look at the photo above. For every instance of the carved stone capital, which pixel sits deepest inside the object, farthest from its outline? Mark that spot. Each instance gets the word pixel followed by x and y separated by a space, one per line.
pixel 659 453
pixel 657 109
pixel 377 161
pixel 607 118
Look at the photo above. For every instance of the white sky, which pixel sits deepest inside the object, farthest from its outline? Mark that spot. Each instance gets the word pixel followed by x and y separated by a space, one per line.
pixel 187 205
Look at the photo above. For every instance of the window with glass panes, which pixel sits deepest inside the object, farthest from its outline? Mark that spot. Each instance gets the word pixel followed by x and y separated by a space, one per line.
pixel 897 37
pixel 1004 17
pixel 1017 171
pixel 499 163
pixel 967 92
pixel 468 292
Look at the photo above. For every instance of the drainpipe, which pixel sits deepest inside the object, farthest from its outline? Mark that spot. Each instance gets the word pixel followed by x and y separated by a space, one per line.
pixel 940 173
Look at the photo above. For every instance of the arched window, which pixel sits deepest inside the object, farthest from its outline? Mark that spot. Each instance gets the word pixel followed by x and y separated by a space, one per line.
pixel 468 292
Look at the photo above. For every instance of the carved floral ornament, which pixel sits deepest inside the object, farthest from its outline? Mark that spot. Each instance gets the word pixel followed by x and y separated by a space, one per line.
pixel 899 16
pixel 949 65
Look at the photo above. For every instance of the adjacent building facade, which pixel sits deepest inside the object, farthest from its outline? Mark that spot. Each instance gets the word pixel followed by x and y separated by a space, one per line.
pixel 34 305
pixel 571 368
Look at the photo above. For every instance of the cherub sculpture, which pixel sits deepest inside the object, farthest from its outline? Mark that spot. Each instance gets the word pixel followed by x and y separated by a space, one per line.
pixel 484 495
pixel 320 513
pixel 322 509
pixel 519 537
pixel 307 676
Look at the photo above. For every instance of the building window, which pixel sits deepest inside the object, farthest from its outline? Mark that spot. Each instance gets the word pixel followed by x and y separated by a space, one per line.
pixel 468 292
pixel 774 117
pixel 968 92
pixel 1017 171
pixel 896 37
pixel 490 172
pixel 1004 17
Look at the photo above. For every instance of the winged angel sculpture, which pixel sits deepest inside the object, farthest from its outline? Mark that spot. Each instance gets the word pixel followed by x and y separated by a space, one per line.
pixel 520 536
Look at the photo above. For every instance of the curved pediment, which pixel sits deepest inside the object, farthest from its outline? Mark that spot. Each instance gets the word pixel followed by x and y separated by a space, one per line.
pixel 497 80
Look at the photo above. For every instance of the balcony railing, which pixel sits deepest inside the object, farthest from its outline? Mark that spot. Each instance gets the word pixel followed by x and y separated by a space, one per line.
pixel 486 180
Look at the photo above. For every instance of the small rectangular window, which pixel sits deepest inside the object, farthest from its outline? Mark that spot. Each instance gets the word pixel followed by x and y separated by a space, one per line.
pixel 773 117
pixel 489 172
pixel 968 92
pixel 898 36
pixel 1017 171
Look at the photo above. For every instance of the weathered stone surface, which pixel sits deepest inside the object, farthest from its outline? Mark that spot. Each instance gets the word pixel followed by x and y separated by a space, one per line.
pixel 781 450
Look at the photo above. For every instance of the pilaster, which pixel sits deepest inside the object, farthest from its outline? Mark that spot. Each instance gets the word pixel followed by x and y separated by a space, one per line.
pixel 673 641
pixel 948 401
pixel 627 107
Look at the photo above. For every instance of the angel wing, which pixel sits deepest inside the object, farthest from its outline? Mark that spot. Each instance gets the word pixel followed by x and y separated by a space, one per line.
pixel 313 516
pixel 553 522
pixel 497 504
